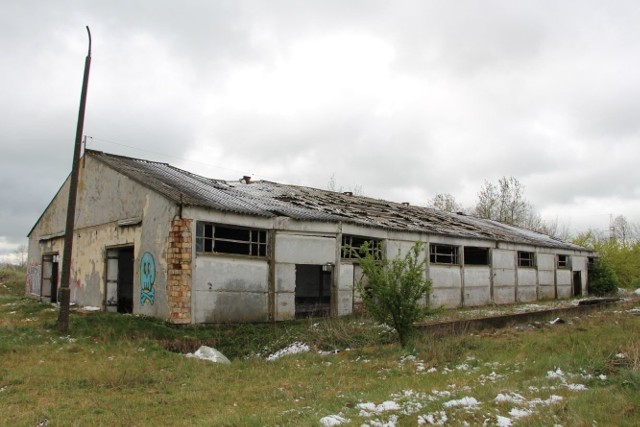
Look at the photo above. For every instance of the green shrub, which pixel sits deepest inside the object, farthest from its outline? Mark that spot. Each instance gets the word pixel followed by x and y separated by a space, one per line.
pixel 602 278
pixel 396 288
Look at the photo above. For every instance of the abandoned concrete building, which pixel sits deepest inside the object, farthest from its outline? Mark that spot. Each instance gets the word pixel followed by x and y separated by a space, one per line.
pixel 155 240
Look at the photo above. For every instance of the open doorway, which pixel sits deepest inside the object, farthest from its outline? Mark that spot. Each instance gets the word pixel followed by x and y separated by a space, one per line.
pixel 49 289
pixel 313 290
pixel 577 283
pixel 119 292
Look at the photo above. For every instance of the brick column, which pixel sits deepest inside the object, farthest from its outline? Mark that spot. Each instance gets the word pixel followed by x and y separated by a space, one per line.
pixel 179 271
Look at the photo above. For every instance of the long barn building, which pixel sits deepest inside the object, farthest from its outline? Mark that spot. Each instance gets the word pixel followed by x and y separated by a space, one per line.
pixel 155 240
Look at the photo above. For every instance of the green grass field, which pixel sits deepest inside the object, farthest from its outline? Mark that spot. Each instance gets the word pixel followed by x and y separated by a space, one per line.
pixel 122 370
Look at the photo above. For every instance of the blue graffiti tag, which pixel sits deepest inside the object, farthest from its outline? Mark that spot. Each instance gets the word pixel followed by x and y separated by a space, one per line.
pixel 147 277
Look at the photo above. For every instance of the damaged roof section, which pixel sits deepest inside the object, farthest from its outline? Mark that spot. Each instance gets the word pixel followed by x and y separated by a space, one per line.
pixel 270 199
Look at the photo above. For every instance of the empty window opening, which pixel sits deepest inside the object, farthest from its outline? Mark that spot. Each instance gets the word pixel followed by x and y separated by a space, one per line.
pixel 119 294
pixel 351 246
pixel 49 288
pixel 443 254
pixel 526 259
pixel 563 261
pixel 476 256
pixel 313 290
pixel 215 238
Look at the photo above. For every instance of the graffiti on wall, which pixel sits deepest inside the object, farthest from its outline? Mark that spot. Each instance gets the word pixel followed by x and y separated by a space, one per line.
pixel 147 278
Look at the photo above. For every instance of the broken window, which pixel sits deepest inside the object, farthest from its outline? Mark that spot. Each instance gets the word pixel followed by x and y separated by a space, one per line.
pixel 563 261
pixel 476 256
pixel 224 239
pixel 351 246
pixel 443 254
pixel 526 259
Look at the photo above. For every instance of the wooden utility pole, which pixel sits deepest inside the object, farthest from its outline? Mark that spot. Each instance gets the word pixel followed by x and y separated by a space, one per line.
pixel 65 290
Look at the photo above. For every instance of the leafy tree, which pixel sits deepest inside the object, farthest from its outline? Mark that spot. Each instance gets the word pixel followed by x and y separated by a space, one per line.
pixel 393 291
pixel 602 278
pixel 445 202
pixel 504 202
pixel 623 259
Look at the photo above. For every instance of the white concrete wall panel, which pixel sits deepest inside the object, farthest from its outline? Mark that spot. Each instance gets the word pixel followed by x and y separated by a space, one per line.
pixel 448 298
pixel 285 278
pixel 301 249
pixel 285 306
pixel 346 279
pixel 504 295
pixel 545 278
pixel 445 276
pixel 564 291
pixel 230 274
pixel 546 261
pixel 503 259
pixel 345 302
pixel 527 277
pixel 546 292
pixel 230 307
pixel 477 286
pixel 563 278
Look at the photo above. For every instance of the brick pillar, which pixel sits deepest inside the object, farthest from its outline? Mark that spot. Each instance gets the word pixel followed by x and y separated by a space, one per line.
pixel 179 271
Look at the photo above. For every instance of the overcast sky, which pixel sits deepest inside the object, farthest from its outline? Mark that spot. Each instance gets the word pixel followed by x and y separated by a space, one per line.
pixel 403 99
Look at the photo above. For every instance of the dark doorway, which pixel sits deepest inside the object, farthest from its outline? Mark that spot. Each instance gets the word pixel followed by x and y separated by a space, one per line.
pixel 120 269
pixel 313 290
pixel 577 283
pixel 125 280
pixel 50 277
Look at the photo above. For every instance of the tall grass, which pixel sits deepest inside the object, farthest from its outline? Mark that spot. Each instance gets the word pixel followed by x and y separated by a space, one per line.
pixel 127 370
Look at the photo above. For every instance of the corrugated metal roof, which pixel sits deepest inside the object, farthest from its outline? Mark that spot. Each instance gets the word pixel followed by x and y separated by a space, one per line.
pixel 270 199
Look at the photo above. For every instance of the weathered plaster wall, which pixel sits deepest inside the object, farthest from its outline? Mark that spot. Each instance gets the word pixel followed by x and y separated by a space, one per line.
pixel 104 198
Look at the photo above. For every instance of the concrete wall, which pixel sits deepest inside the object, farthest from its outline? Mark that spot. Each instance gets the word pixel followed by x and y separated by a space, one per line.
pixel 546 276
pixel 446 282
pixel 504 276
pixel 228 289
pixel 477 285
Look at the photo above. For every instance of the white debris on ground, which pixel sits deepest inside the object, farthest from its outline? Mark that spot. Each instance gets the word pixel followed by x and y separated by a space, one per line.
pixel 90 308
pixel 446 407
pixel 558 374
pixel 333 420
pixel 636 292
pixel 210 354
pixel 295 348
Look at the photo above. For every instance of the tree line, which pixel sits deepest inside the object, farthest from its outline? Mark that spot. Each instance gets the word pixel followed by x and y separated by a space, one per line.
pixel 503 202
pixel 618 250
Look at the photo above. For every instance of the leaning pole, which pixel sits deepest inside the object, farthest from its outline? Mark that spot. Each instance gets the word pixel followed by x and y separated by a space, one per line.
pixel 65 279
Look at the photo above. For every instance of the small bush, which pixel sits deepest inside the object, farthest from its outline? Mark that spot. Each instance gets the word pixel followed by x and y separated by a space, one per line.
pixel 396 289
pixel 602 278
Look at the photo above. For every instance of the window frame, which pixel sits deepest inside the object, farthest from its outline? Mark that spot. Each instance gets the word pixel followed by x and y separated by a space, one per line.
pixel 230 239
pixel 564 264
pixel 347 254
pixel 526 259
pixel 436 256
